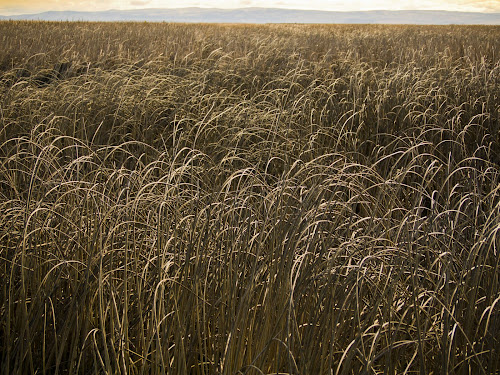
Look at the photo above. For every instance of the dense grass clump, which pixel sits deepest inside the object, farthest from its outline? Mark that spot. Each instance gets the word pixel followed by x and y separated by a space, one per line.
pixel 224 199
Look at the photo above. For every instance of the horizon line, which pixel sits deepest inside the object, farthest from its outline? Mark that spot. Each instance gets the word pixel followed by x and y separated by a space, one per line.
pixel 243 8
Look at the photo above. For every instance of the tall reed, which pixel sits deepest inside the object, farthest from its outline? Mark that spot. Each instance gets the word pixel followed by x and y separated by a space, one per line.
pixel 246 199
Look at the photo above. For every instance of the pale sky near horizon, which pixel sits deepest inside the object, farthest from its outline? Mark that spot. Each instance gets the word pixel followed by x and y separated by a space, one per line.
pixel 11 7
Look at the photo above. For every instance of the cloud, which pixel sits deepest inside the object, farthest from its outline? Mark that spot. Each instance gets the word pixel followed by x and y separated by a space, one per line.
pixel 140 2
pixel 34 6
pixel 480 5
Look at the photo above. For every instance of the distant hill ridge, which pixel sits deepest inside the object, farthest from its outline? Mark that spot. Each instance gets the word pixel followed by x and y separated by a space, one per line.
pixel 269 15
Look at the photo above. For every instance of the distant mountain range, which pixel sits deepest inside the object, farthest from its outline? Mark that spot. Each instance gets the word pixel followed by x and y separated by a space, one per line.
pixel 269 15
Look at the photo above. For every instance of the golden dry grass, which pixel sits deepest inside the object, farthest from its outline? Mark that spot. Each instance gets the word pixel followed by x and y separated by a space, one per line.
pixel 237 199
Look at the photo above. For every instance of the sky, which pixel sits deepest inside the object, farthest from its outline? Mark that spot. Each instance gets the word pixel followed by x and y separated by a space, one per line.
pixel 11 7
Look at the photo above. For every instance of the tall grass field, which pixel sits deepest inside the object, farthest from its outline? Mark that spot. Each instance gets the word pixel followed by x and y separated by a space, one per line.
pixel 242 199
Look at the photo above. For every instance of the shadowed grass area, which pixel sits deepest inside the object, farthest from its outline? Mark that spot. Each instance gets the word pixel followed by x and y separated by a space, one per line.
pixel 237 199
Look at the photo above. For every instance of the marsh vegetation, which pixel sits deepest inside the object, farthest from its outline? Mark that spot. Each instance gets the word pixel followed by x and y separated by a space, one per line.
pixel 237 199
